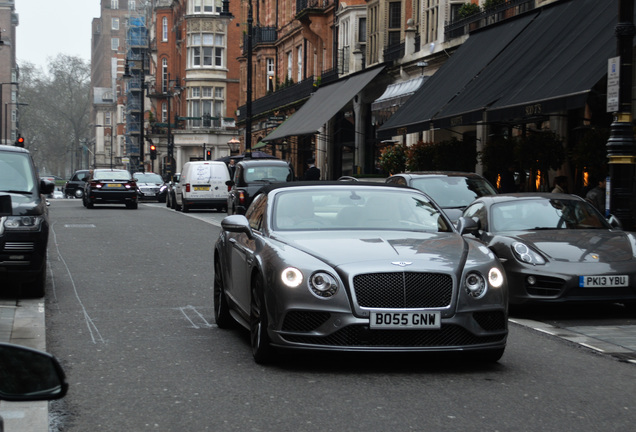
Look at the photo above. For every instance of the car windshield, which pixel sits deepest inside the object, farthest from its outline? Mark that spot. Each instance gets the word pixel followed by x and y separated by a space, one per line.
pixel 540 214
pixel 16 174
pixel 453 191
pixel 112 175
pixel 268 174
pixel 148 178
pixel 355 209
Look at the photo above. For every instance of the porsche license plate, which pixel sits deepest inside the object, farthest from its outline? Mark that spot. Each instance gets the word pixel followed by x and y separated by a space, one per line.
pixel 406 320
pixel 202 188
pixel 603 281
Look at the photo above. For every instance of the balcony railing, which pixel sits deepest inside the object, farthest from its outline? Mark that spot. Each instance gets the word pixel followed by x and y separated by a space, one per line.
pixel 303 6
pixel 487 17
pixel 261 35
pixel 394 52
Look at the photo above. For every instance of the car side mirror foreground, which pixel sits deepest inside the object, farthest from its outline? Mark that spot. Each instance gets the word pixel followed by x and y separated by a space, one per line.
pixel 614 222
pixel 46 187
pixel 29 375
pixel 237 224
pixel 467 225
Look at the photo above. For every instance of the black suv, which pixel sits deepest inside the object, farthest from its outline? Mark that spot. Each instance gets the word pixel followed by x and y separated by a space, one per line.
pixel 74 188
pixel 249 176
pixel 24 222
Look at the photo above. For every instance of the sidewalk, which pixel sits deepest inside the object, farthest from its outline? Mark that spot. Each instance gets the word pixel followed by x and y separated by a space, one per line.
pixel 22 323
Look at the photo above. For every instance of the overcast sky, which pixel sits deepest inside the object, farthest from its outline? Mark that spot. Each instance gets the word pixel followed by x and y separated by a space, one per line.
pixel 49 27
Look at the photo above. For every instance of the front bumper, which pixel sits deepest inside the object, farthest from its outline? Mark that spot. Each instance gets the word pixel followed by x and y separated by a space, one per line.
pixel 23 253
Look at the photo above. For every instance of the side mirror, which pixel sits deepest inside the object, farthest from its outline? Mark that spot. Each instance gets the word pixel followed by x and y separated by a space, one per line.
pixel 29 375
pixel 237 224
pixel 614 222
pixel 229 183
pixel 46 187
pixel 468 226
pixel 5 205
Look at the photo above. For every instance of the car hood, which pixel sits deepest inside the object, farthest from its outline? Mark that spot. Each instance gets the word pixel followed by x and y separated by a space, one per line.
pixel 383 250
pixel 26 205
pixel 582 245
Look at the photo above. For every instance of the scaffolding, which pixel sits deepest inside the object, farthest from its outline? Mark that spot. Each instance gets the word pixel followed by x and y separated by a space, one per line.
pixel 137 59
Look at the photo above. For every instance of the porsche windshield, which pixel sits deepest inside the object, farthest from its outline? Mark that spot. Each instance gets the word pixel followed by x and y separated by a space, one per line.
pixel 541 214
pixel 365 208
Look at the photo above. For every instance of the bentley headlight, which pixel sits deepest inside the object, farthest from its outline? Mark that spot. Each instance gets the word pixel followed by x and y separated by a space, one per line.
pixel 475 285
pixel 495 278
pixel 23 223
pixel 323 285
pixel 526 255
pixel 292 277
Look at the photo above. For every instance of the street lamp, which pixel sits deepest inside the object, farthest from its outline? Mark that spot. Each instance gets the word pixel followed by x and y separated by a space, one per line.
pixel 621 148
pixel 6 112
pixel 234 145
pixel 170 95
pixel 3 84
pixel 248 102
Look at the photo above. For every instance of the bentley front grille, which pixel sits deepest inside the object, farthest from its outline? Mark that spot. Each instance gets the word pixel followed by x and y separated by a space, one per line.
pixel 399 290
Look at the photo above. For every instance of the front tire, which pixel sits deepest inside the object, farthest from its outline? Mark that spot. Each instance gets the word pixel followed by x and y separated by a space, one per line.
pixel 222 314
pixel 261 344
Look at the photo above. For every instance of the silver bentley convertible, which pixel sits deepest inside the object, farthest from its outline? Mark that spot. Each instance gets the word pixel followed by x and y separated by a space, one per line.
pixel 357 267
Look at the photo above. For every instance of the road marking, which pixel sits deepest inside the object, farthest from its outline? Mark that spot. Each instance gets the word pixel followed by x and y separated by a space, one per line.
pixel 192 315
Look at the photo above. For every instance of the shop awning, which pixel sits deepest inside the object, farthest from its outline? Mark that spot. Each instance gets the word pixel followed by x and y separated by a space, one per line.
pixel 398 93
pixel 550 66
pixel 323 105
pixel 470 59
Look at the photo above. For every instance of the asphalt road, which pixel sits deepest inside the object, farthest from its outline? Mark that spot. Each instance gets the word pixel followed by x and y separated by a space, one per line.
pixel 129 315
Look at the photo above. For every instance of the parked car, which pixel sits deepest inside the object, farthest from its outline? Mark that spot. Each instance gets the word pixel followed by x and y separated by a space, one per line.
pixel 169 190
pixel 452 191
pixel 148 185
pixel 74 187
pixel 24 222
pixel 357 267
pixel 557 248
pixel 110 186
pixel 250 175
pixel 202 185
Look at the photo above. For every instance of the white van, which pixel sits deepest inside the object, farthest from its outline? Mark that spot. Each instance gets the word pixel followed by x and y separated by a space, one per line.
pixel 202 185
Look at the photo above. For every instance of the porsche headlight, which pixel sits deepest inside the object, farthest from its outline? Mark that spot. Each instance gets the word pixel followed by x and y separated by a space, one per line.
pixel 526 255
pixel 475 285
pixel 323 284
pixel 291 277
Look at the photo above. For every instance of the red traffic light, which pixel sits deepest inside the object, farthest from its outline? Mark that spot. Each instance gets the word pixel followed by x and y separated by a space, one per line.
pixel 19 142
pixel 153 148
pixel 153 152
pixel 208 155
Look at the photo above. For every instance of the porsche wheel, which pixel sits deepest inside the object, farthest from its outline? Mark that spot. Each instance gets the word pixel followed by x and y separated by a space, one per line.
pixel 261 348
pixel 221 309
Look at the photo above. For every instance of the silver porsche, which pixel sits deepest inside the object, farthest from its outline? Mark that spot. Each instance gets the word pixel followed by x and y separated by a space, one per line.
pixel 357 267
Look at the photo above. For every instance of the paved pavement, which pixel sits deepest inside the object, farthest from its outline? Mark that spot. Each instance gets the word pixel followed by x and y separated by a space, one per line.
pixel 22 322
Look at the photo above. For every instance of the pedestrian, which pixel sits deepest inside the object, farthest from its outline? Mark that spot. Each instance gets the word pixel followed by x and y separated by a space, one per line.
pixel 507 183
pixel 232 168
pixel 560 184
pixel 596 196
pixel 313 172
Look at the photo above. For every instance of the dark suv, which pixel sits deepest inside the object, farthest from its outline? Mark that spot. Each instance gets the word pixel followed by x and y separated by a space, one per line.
pixel 74 188
pixel 249 176
pixel 24 222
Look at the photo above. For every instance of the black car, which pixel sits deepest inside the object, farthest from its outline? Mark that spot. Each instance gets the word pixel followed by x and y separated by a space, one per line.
pixel 24 226
pixel 149 185
pixel 451 190
pixel 110 186
pixel 250 175
pixel 74 187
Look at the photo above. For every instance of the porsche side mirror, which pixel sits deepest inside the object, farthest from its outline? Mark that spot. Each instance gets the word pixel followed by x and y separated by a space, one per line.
pixel 30 375
pixel 237 224
pixel 468 226
pixel 614 222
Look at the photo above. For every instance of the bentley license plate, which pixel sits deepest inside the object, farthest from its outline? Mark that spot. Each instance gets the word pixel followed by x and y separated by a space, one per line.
pixel 111 185
pixel 405 320
pixel 603 281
